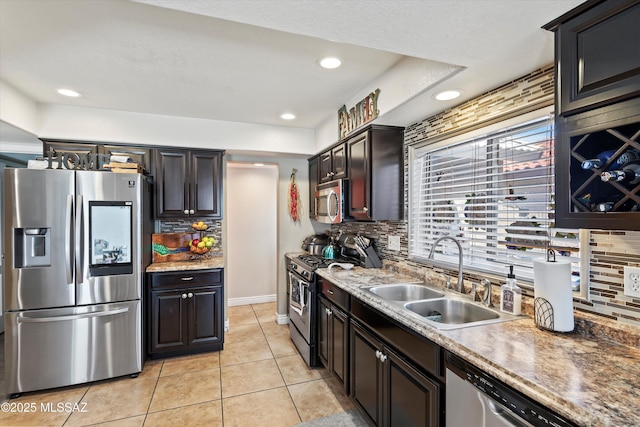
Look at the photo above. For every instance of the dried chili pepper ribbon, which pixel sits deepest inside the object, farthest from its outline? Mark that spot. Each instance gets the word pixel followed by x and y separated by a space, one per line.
pixel 294 198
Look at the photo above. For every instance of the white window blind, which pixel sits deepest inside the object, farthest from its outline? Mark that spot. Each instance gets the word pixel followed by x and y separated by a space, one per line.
pixel 495 194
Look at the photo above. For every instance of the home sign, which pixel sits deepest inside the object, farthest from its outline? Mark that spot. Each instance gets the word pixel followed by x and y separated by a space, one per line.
pixel 75 161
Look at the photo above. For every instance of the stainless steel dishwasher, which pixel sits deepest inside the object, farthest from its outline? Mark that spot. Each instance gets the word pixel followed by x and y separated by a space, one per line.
pixel 475 399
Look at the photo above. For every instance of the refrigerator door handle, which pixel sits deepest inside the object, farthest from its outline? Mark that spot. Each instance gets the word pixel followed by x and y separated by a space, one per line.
pixel 72 316
pixel 68 241
pixel 79 241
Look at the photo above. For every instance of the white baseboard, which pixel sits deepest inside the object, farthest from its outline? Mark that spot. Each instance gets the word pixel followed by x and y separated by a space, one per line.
pixel 251 300
pixel 282 319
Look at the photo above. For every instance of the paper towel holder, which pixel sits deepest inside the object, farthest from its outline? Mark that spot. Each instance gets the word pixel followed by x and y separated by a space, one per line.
pixel 551 253
pixel 543 314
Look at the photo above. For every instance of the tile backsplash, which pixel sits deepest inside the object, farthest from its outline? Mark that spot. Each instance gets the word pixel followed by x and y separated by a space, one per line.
pixel 184 226
pixel 609 251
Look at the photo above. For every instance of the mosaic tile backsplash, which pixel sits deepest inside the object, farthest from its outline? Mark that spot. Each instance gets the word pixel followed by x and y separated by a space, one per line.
pixel 609 251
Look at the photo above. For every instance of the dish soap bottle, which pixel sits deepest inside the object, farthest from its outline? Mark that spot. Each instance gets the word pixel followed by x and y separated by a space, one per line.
pixel 511 295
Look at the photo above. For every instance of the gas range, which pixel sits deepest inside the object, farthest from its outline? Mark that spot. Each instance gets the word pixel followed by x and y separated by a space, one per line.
pixel 305 265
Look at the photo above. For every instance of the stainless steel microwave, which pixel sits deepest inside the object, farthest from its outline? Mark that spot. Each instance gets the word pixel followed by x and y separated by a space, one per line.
pixel 330 202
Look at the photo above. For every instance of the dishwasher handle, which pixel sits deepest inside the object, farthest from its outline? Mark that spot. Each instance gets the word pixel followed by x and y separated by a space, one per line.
pixel 501 413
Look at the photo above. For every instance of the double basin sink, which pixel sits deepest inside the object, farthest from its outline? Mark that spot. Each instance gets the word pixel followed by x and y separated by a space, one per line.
pixel 441 309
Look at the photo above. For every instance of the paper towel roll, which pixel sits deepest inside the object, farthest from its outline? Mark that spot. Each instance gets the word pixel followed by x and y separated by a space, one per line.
pixel 552 285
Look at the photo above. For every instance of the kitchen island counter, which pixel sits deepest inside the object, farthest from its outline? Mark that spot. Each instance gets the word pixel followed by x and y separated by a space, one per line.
pixel 589 380
pixel 202 264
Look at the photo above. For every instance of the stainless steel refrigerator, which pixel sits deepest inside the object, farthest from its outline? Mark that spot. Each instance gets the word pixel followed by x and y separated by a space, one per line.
pixel 76 244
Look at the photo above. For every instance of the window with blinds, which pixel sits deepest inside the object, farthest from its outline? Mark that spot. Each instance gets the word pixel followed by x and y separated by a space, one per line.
pixel 495 194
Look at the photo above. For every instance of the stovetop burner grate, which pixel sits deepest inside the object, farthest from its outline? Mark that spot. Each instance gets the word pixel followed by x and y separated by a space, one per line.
pixel 315 261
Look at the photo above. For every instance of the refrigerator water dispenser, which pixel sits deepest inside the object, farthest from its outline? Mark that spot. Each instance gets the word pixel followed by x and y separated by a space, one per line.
pixel 32 247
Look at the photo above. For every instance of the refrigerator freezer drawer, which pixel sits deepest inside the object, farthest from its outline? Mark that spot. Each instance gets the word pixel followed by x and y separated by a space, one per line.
pixel 65 346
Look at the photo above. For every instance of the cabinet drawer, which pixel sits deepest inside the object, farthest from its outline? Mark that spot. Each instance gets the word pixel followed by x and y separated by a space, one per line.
pixel 336 295
pixel 184 279
pixel 424 353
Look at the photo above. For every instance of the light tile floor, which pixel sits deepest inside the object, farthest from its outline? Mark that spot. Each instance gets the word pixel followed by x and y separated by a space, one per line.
pixel 259 379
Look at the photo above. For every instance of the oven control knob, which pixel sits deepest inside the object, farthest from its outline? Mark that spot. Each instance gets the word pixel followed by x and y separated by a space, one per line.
pixel 292 266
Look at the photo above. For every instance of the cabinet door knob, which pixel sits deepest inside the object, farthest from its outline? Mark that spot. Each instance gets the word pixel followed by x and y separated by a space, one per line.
pixel 365 209
pixel 191 212
pixel 378 354
pixel 190 294
pixel 184 296
pixel 186 211
pixel 383 357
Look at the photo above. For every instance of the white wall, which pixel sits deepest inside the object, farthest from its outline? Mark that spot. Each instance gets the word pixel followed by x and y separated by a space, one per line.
pixel 402 82
pixel 290 234
pixel 251 233
pixel 17 108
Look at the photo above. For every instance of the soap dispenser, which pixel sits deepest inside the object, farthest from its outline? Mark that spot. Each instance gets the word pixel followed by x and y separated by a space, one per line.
pixel 511 295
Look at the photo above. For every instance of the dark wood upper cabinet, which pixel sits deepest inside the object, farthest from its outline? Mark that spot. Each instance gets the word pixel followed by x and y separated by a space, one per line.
pixel 597 55
pixel 140 155
pixel 376 174
pixel 597 114
pixel 333 164
pixel 206 183
pixel 172 183
pixel 371 162
pixel 313 182
pixel 77 147
pixel 188 183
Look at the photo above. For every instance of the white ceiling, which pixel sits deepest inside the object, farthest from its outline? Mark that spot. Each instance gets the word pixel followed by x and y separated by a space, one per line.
pixel 251 60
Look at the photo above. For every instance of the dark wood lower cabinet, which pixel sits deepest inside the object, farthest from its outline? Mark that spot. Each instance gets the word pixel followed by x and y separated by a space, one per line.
pixel 411 397
pixel 333 336
pixel 185 319
pixel 390 391
pixel 366 373
pixel 168 328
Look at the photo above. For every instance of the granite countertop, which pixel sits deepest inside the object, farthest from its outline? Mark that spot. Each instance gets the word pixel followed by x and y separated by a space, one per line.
pixel 201 264
pixel 589 380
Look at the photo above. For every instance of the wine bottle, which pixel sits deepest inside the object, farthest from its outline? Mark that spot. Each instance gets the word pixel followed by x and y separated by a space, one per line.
pixel 629 174
pixel 598 161
pixel 602 158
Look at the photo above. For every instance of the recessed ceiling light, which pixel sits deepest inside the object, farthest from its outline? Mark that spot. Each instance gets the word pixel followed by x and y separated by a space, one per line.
pixel 69 92
pixel 330 62
pixel 258 164
pixel 287 116
pixel 447 95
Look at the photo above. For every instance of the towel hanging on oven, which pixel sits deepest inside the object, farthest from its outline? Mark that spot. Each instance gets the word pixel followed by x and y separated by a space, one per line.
pixel 297 302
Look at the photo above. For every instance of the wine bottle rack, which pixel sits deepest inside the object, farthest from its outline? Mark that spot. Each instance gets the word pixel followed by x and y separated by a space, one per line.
pixel 588 192
pixel 580 194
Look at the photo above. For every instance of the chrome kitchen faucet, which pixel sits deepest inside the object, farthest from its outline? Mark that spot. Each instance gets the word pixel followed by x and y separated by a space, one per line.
pixel 454 240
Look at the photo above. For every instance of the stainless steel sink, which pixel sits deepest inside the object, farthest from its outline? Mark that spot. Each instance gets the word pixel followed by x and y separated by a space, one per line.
pixel 440 308
pixel 451 311
pixel 403 292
